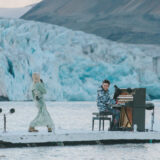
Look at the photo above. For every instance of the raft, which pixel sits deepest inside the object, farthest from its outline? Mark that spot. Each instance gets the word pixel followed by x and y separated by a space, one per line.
pixel 8 140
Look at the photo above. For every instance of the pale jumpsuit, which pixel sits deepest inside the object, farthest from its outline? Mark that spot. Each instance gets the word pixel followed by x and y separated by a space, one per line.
pixel 43 118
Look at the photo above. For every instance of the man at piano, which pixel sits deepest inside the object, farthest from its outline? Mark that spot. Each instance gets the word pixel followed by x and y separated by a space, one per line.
pixel 104 103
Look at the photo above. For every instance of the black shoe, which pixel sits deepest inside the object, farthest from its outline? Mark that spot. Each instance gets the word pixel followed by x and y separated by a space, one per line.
pixel 114 127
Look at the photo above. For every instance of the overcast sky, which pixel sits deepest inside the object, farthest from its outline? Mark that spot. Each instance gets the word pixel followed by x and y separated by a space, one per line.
pixel 16 3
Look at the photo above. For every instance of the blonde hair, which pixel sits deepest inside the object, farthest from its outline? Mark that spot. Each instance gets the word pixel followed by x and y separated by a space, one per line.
pixel 36 77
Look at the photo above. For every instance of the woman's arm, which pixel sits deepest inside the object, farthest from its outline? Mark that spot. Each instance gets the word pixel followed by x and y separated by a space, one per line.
pixel 41 88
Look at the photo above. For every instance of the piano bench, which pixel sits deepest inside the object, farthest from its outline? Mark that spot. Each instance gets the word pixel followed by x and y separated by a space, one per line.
pixel 101 117
pixel 149 106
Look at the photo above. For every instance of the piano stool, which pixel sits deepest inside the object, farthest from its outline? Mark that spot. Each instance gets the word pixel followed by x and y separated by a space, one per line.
pixel 101 117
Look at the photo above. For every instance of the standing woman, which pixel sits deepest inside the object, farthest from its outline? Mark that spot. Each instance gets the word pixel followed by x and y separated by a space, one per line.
pixel 43 117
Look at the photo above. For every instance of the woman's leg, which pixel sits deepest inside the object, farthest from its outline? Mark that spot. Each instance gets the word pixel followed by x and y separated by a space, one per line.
pixel 33 123
pixel 51 127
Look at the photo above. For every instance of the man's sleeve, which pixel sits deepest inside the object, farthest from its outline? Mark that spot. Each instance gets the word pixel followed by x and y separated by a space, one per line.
pixel 109 100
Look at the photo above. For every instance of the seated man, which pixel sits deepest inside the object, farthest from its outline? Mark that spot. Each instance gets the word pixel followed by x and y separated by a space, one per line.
pixel 104 103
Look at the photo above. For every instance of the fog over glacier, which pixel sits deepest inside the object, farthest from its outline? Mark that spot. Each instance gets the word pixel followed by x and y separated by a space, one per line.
pixel 71 63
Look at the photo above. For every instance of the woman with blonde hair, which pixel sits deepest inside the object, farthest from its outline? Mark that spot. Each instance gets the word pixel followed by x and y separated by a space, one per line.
pixel 43 118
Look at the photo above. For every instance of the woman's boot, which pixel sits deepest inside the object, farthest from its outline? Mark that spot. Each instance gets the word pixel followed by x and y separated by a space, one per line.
pixel 49 129
pixel 32 129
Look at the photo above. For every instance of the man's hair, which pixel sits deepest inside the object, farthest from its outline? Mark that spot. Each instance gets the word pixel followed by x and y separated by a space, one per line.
pixel 106 81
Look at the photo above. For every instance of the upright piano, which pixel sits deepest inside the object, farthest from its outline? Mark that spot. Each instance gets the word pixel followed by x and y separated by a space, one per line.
pixel 132 105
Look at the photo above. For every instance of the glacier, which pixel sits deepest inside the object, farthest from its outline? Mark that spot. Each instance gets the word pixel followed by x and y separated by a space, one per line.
pixel 71 63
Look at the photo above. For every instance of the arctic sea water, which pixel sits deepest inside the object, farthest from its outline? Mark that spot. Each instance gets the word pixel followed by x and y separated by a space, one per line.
pixel 72 117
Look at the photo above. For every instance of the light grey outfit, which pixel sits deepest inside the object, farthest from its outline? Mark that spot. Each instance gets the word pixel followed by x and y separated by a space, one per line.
pixel 43 118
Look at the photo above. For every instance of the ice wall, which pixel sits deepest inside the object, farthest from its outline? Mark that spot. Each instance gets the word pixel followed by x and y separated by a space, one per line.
pixel 71 63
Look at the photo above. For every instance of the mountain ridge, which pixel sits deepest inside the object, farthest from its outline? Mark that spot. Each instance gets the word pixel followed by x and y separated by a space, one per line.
pixel 123 21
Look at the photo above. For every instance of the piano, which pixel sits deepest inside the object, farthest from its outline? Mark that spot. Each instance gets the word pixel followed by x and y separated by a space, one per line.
pixel 132 105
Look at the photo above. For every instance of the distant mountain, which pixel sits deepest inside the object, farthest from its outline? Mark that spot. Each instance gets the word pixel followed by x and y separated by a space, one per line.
pixel 131 21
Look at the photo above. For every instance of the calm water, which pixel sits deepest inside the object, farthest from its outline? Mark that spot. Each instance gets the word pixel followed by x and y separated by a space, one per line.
pixel 72 116
pixel 102 152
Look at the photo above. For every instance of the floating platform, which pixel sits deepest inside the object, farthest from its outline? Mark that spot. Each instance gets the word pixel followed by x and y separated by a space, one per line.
pixel 8 140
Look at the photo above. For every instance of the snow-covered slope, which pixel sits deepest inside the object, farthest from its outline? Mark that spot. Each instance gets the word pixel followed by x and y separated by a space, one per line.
pixel 12 12
pixel 72 64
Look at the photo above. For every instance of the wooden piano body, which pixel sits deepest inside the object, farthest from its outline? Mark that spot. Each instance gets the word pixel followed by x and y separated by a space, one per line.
pixel 132 107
